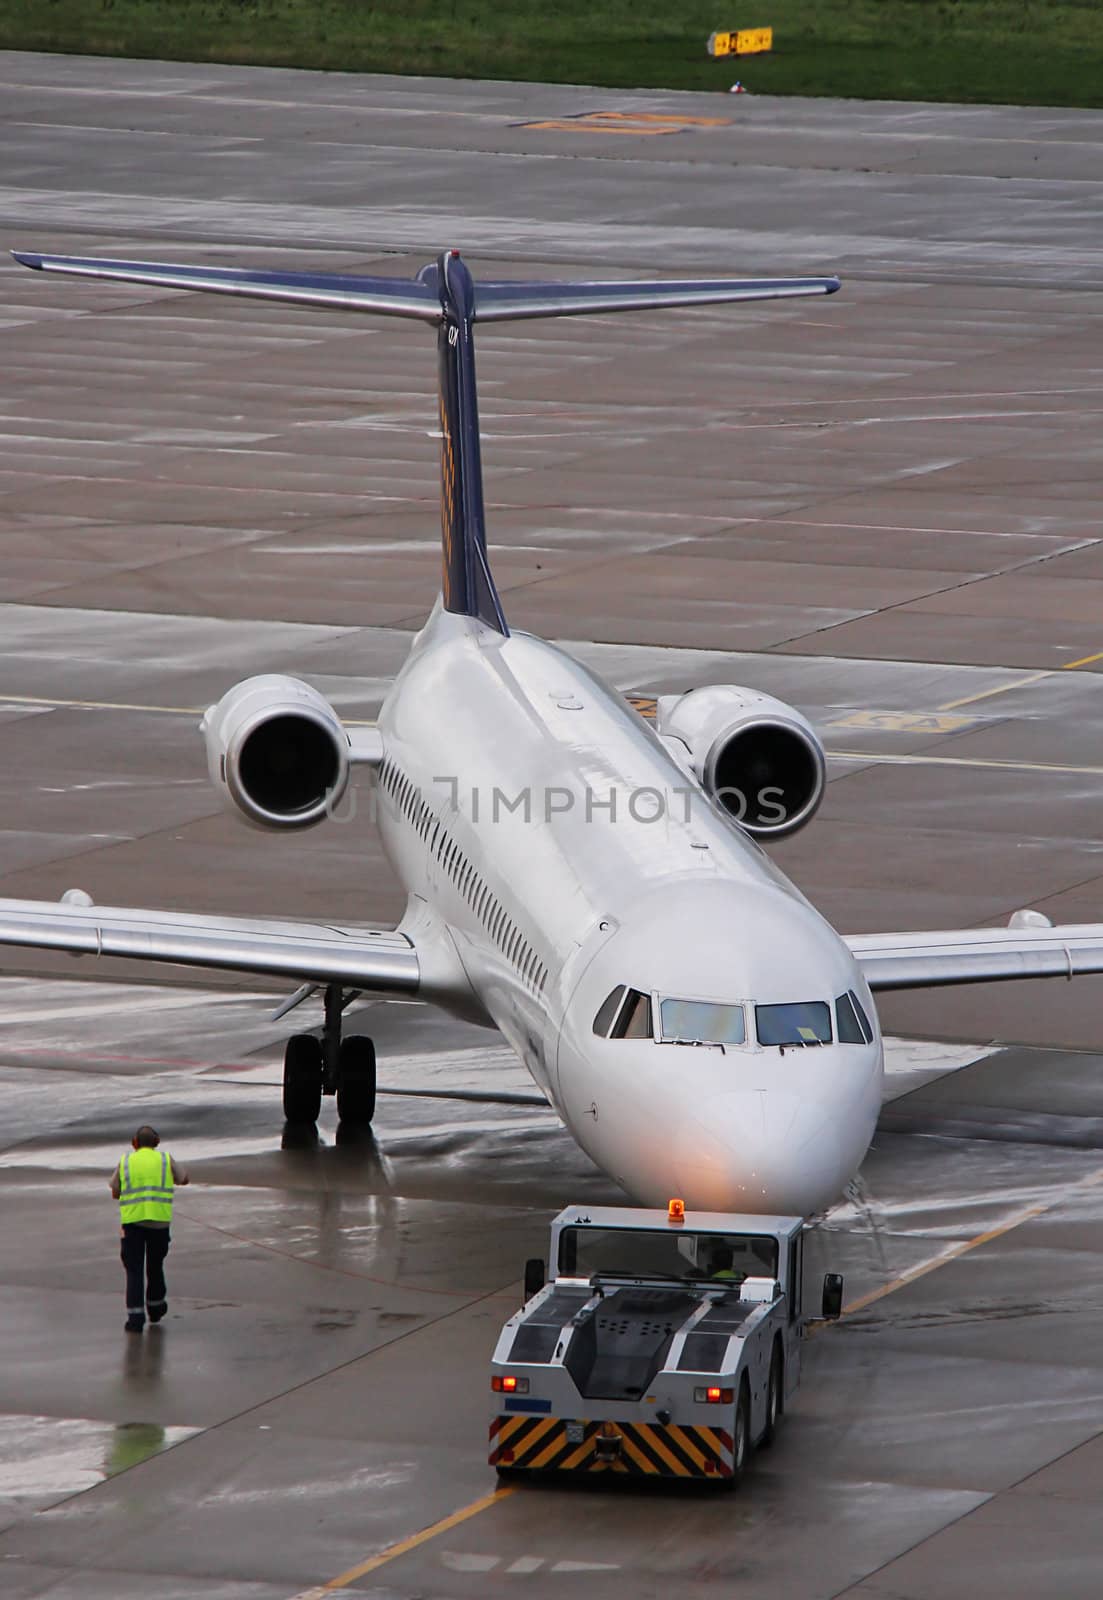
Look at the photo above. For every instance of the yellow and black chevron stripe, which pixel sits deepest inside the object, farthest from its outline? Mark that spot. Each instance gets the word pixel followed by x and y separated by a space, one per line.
pixel 540 1444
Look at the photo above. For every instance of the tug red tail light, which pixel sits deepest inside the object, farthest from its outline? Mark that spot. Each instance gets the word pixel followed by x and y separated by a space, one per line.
pixel 508 1384
pixel 714 1396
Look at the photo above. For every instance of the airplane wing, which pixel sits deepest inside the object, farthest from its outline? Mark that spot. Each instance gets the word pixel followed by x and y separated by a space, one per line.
pixel 1030 947
pixel 356 958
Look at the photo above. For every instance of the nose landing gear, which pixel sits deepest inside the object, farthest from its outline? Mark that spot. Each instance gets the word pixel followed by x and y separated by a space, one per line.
pixel 329 1065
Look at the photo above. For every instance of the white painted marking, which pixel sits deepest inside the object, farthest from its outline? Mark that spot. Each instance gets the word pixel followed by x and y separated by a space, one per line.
pixel 461 1563
pixel 368 547
pixel 910 1063
pixel 980 394
pixel 586 1566
pixel 522 1567
pixel 905 417
pixel 905 527
pixel 880 759
pixel 126 133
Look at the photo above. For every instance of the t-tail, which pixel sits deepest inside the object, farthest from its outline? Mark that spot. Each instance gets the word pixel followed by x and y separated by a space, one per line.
pixel 444 293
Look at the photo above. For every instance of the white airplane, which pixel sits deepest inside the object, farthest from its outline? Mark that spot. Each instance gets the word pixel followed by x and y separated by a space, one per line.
pixel 584 880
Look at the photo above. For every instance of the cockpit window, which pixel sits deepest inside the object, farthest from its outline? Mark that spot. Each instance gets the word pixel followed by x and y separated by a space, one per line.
pixel 846 1018
pixel 609 1007
pixel 634 1021
pixel 863 1021
pixel 701 1022
pixel 800 1023
pixel 625 1014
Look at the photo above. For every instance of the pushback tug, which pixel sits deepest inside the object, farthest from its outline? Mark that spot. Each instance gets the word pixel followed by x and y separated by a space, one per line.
pixel 664 1344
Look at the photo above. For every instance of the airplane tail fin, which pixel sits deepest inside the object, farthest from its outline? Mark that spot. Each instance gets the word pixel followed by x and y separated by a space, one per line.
pixel 445 295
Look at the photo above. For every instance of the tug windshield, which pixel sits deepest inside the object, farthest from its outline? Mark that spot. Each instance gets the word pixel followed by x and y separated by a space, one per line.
pixel 722 1258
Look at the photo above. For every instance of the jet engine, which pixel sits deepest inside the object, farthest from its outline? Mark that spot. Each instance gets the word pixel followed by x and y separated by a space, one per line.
pixel 758 757
pixel 277 752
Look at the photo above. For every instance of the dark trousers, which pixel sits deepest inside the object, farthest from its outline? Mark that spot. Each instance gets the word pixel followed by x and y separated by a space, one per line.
pixel 143 1252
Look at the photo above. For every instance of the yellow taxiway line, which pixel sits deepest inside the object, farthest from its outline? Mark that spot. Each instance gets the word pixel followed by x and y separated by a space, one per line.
pixel 404 1546
pixel 1022 683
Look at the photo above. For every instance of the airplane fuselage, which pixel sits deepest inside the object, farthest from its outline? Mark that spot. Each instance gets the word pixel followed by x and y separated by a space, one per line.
pixel 565 852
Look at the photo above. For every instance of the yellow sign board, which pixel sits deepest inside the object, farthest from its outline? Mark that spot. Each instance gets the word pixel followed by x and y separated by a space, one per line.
pixel 741 42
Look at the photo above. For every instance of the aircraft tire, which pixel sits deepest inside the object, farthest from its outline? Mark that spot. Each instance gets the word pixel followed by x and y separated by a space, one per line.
pixel 302 1079
pixel 356 1080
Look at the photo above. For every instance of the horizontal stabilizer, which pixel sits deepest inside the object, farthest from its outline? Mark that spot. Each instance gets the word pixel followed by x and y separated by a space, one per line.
pixel 420 297
pixel 394 297
pixel 507 302
pixel 445 294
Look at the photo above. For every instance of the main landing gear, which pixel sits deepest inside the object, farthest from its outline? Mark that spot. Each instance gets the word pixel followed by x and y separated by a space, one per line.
pixel 329 1065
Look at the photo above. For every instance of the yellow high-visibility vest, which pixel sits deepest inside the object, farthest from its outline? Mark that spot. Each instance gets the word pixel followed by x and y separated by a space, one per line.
pixel 145 1186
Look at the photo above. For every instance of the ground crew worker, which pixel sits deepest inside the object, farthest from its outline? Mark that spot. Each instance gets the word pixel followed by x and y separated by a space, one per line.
pixel 143 1184
pixel 722 1264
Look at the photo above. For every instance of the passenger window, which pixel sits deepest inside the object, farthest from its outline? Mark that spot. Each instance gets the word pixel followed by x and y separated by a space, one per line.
pixel 850 1029
pixel 609 1008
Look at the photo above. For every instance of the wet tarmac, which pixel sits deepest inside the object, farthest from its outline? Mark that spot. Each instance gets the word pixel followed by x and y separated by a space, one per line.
pixel 885 510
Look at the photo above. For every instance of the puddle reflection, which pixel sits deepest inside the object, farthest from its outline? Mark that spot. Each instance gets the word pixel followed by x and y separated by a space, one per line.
pixel 131 1443
pixel 142 1358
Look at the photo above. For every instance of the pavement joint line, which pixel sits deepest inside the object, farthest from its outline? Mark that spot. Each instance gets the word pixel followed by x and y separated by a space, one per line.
pixel 404 1546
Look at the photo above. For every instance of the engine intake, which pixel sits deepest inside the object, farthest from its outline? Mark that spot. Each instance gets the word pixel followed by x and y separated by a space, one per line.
pixel 758 757
pixel 277 752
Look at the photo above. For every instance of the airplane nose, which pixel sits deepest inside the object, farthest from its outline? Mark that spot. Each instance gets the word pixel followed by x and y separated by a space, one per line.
pixel 759 1151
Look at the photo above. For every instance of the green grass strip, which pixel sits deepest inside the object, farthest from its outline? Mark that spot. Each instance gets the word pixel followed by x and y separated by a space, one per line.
pixel 1019 52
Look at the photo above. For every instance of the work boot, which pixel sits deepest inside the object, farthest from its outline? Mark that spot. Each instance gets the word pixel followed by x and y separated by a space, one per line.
pixel 157 1312
pixel 134 1324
